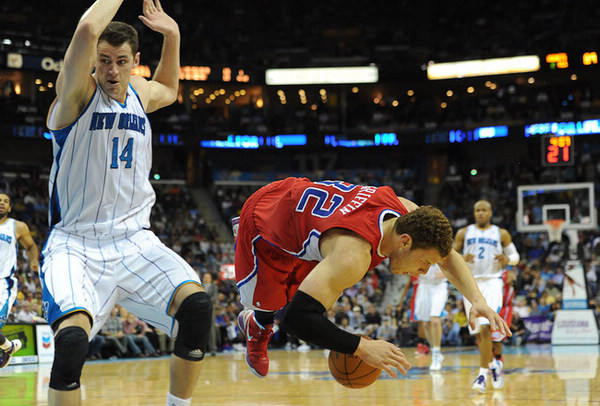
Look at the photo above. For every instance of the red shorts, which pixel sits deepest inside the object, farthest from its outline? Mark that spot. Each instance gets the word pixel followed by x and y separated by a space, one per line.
pixel 266 276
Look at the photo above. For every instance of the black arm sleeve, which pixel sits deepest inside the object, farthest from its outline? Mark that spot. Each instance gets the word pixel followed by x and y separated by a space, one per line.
pixel 304 318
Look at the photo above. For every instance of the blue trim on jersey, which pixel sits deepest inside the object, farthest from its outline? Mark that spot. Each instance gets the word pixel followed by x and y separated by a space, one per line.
pixel 52 311
pixel 175 291
pixel 137 95
pixel 60 135
pixel 313 233
pixel 55 212
pixel 255 271
pixel 10 282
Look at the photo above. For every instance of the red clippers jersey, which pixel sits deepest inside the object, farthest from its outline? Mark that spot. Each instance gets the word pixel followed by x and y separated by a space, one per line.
pixel 295 212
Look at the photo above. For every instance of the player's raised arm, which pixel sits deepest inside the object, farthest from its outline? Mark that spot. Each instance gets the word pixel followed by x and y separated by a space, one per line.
pixel 164 86
pixel 75 84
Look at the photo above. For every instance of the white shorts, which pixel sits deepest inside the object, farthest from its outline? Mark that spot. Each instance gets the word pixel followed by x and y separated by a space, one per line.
pixel 8 295
pixel 92 275
pixel 491 289
pixel 430 300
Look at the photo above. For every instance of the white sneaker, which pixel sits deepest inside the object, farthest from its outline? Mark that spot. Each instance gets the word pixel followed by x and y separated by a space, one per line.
pixel 497 378
pixel 436 362
pixel 303 348
pixel 479 384
pixel 5 356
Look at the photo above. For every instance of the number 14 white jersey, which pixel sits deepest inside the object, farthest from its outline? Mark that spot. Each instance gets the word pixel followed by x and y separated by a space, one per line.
pixel 484 245
pixel 99 182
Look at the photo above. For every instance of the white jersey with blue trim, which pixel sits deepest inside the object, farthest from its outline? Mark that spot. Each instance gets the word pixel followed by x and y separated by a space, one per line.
pixel 8 248
pixel 99 181
pixel 484 245
pixel 433 276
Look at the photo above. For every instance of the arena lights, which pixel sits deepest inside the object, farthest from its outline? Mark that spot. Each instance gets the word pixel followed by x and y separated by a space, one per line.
pixel 558 60
pixel 312 76
pixel 564 128
pixel 256 141
pixel 459 136
pixel 483 67
pixel 477 134
pixel 379 139
pixel 200 73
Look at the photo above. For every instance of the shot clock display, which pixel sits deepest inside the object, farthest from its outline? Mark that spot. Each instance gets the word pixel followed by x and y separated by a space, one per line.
pixel 557 150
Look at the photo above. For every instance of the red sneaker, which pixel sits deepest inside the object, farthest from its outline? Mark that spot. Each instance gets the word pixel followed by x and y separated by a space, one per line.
pixel 257 340
pixel 422 349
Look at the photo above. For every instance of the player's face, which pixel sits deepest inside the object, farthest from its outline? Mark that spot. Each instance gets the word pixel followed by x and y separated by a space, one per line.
pixel 4 205
pixel 113 68
pixel 413 261
pixel 482 213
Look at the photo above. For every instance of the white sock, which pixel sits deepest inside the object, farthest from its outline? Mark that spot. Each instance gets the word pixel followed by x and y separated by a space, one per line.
pixel 175 401
pixel 7 345
pixel 435 350
pixel 492 364
pixel 484 372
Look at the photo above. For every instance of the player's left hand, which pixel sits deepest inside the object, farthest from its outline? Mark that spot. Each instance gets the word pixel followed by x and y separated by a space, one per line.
pixel 156 19
pixel 496 322
pixel 35 266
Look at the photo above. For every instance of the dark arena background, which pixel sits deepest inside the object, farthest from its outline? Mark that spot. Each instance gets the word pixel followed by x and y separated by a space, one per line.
pixel 447 103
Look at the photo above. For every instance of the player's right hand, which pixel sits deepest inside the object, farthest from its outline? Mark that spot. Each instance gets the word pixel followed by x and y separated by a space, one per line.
pixel 382 354
pixel 469 258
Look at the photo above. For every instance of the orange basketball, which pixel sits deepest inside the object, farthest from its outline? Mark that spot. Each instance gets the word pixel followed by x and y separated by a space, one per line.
pixel 351 371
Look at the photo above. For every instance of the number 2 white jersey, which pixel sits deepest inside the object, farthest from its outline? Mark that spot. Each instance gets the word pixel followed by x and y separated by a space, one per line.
pixel 8 249
pixel 99 178
pixel 484 245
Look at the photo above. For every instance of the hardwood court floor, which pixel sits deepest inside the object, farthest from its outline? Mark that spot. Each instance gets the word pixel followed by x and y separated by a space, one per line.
pixel 534 375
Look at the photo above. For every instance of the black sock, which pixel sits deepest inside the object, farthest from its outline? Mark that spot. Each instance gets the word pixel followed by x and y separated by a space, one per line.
pixel 264 318
pixel 498 356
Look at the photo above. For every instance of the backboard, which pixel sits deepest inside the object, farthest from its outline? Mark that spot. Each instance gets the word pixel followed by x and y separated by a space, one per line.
pixel 572 202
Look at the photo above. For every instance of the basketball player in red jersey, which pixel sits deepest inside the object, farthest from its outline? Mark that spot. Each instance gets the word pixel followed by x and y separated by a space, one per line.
pixel 301 243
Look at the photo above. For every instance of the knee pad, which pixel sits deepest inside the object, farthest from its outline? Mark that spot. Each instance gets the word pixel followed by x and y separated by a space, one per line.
pixel 194 317
pixel 70 350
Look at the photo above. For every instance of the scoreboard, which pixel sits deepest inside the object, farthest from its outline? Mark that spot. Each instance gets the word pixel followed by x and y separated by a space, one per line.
pixel 557 150
pixel 564 60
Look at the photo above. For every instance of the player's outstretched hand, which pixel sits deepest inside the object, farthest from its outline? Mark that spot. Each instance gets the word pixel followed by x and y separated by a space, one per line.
pixel 496 322
pixel 156 19
pixel 382 354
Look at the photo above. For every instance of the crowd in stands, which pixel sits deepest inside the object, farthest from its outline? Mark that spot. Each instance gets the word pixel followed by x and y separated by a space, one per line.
pixel 178 222
pixel 299 35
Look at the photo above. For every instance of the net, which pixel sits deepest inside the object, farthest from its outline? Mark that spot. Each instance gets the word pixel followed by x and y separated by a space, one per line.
pixel 554 228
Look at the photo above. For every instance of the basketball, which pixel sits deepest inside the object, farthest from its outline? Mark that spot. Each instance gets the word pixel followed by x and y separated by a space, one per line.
pixel 351 371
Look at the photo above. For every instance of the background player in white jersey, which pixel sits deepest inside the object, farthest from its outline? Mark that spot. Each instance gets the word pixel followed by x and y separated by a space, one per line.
pixel 487 249
pixel 431 297
pixel 11 232
pixel 431 294
pixel 99 251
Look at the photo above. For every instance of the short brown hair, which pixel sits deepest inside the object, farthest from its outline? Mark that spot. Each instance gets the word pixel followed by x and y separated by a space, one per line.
pixel 428 228
pixel 117 33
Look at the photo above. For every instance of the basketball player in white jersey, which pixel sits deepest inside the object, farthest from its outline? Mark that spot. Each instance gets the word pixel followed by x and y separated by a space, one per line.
pixel 431 297
pixel 11 232
pixel 430 293
pixel 100 251
pixel 487 249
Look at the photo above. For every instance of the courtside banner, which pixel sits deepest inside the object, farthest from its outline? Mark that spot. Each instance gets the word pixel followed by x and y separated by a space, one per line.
pixel 575 327
pixel 45 343
pixel 540 328
pixel 24 332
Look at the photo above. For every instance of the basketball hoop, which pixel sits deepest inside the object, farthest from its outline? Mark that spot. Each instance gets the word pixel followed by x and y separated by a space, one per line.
pixel 554 228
